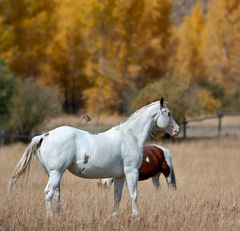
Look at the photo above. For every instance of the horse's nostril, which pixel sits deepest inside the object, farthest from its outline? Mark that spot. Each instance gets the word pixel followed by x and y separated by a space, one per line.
pixel 175 132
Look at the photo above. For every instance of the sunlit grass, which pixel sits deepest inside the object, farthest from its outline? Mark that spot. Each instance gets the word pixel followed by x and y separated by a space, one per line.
pixel 207 197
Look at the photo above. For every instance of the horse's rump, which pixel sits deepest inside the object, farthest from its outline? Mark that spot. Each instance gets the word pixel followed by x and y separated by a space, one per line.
pixel 153 163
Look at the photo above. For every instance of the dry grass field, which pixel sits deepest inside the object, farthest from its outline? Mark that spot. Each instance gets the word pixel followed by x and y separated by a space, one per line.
pixel 207 198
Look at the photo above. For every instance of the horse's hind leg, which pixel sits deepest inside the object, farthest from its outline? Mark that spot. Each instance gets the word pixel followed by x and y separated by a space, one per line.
pixel 56 199
pixel 52 187
pixel 171 180
pixel 118 187
pixel 155 180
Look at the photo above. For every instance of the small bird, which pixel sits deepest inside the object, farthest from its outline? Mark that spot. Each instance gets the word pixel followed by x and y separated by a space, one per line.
pixel 86 118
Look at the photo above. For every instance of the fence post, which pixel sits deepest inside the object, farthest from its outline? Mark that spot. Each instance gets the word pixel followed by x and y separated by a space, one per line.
pixel 2 137
pixel 219 115
pixel 184 128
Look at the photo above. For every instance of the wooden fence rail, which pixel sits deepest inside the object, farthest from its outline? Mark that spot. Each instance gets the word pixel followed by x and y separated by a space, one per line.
pixel 218 116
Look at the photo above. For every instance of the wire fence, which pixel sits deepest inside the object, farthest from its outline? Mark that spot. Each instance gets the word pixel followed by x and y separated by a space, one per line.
pixel 211 126
pixel 190 128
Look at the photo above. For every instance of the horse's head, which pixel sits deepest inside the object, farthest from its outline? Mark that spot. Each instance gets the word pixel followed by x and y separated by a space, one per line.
pixel 166 121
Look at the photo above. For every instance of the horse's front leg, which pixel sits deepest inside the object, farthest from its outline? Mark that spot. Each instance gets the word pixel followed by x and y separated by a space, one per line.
pixel 132 159
pixel 118 187
pixel 132 180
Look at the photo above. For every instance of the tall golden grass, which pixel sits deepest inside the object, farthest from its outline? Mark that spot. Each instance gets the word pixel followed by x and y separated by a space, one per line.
pixel 207 198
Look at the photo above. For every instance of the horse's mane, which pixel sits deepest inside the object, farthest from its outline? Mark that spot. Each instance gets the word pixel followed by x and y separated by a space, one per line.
pixel 140 110
pixel 136 113
pixel 132 116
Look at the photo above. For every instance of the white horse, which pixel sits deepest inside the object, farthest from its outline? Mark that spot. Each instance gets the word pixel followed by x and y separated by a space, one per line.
pixel 115 153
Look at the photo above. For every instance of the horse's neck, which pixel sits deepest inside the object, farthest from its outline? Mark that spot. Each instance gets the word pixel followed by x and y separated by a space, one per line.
pixel 141 124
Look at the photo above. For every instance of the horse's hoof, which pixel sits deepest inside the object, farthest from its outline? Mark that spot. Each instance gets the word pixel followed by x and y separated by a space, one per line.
pixel 114 214
pixel 135 214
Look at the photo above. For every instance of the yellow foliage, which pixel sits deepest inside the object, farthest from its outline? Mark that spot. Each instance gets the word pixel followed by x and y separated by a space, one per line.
pixel 189 61
pixel 26 27
pixel 100 53
pixel 157 39
pixel 221 46
pixel 100 97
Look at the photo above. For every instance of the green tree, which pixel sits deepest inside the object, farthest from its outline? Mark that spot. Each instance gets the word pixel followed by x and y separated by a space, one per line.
pixel 31 105
pixel 7 89
pixel 170 89
pixel 182 100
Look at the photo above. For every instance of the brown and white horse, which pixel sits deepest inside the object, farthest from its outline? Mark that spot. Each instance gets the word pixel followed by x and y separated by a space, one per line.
pixel 156 160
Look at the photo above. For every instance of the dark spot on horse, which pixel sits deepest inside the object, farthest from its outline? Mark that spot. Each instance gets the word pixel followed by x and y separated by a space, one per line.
pixel 86 159
pixel 80 172
pixel 46 134
pixel 93 133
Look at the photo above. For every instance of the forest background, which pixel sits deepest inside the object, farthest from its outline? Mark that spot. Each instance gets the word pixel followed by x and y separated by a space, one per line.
pixel 114 56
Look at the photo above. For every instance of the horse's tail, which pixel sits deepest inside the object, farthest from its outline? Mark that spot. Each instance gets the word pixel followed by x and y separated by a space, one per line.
pixel 168 158
pixel 24 163
pixel 173 178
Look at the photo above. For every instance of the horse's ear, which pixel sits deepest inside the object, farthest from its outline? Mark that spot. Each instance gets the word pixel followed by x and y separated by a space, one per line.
pixel 161 102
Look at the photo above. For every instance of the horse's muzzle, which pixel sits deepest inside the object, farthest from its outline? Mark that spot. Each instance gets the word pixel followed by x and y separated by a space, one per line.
pixel 175 132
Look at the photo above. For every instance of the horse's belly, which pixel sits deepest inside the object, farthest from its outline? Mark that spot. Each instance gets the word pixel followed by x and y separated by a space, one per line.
pixel 92 170
pixel 94 173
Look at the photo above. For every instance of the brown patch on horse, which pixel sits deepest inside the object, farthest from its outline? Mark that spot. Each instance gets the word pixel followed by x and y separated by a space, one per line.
pixel 165 168
pixel 153 163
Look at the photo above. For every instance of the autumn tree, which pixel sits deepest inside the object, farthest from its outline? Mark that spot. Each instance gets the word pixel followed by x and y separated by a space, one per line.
pixel 158 37
pixel 99 68
pixel 101 53
pixel 107 67
pixel 189 64
pixel 136 35
pixel 68 54
pixel 189 61
pixel 26 28
pixel 221 47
